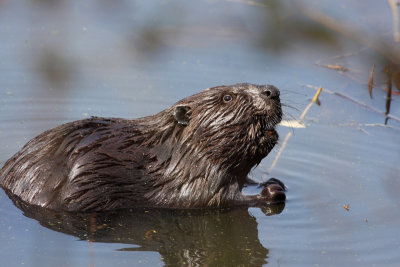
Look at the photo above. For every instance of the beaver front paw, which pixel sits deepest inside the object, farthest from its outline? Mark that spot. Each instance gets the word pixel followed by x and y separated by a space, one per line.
pixel 274 191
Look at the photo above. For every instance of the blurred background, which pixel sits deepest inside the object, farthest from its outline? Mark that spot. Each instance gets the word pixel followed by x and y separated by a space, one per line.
pixel 67 60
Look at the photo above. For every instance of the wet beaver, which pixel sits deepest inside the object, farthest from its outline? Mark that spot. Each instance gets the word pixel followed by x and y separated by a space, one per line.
pixel 194 154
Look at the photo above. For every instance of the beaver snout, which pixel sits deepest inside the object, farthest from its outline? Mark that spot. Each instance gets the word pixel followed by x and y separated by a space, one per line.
pixel 269 92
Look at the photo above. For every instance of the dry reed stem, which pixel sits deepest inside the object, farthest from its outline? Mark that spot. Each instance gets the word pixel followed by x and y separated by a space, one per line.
pixel 371 81
pixel 395 14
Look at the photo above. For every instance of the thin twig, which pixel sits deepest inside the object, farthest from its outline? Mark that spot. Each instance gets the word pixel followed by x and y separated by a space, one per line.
pixel 333 67
pixel 289 134
pixel 347 72
pixel 350 54
pixel 355 101
pixel 369 125
pixel 248 2
pixel 283 146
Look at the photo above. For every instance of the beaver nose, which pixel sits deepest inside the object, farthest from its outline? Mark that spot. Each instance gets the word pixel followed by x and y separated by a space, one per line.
pixel 270 91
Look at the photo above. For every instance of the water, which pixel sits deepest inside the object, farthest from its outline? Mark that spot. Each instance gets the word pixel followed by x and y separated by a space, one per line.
pixel 62 61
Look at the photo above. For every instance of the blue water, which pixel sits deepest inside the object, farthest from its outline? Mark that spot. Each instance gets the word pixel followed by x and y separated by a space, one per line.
pixel 62 61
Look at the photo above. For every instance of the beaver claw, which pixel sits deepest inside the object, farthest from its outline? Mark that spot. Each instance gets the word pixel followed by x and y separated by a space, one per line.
pixel 274 191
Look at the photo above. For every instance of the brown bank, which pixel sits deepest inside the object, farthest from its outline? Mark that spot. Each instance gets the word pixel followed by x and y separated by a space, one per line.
pixel 195 154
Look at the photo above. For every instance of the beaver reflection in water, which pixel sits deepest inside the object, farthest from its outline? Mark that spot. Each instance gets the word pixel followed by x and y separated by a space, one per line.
pixel 195 154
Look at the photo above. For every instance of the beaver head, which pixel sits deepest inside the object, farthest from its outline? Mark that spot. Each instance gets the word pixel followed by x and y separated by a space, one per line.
pixel 206 144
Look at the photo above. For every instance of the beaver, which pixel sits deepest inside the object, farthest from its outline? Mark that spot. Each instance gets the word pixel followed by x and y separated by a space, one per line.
pixel 195 154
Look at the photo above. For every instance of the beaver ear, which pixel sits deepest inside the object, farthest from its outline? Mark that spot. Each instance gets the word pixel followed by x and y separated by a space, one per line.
pixel 182 114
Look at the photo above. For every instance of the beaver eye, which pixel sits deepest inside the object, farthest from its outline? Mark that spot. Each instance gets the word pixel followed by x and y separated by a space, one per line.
pixel 227 98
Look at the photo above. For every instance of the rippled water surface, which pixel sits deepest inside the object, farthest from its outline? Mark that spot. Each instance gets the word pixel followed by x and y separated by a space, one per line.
pixel 62 61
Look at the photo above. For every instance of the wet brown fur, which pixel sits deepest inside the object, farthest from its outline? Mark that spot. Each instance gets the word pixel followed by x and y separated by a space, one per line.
pixel 195 154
